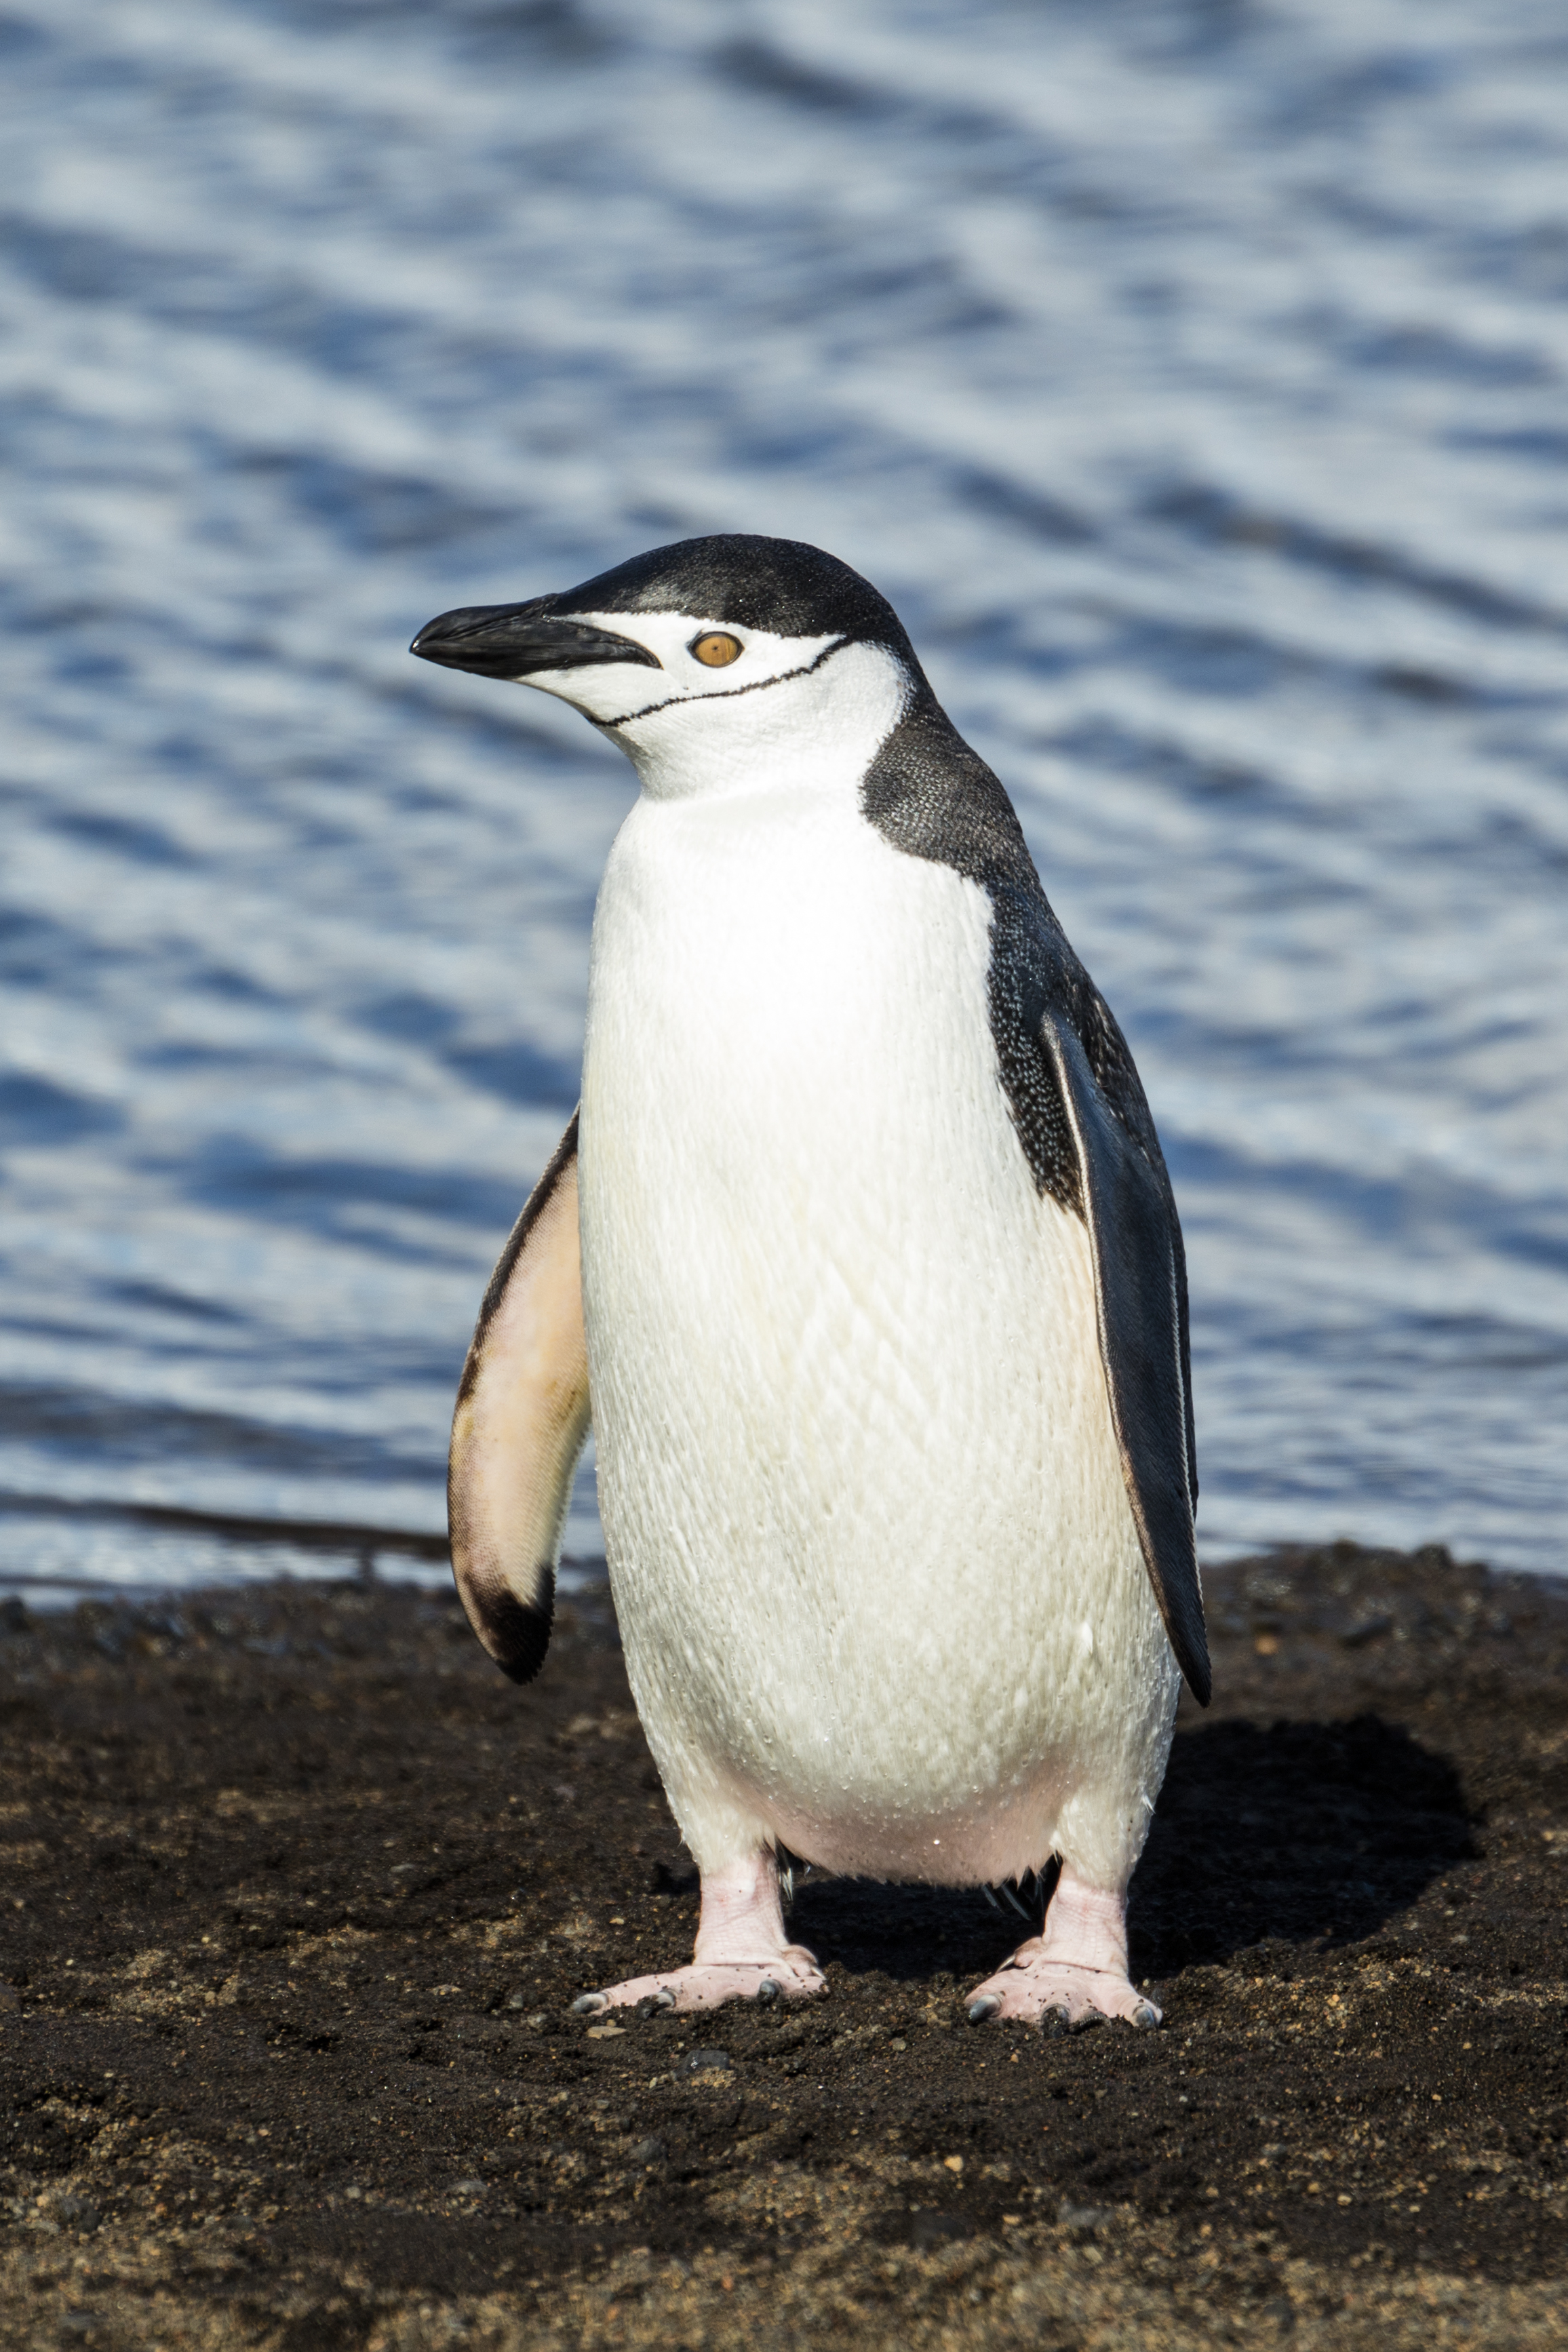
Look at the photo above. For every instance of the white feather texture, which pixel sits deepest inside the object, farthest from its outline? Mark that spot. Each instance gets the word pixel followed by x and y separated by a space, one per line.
pixel 876 1575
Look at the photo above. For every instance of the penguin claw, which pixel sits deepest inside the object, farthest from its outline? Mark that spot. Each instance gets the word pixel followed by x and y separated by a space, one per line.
pixel 768 1989
pixel 664 1998
pixel 1145 2017
pixel 984 2005
pixel 588 2004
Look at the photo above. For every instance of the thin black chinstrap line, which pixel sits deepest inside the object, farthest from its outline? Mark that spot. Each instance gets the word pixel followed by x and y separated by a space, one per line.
pixel 723 694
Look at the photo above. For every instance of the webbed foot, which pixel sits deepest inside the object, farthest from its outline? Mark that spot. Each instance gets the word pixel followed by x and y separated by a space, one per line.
pixel 789 1974
pixel 1073 1975
pixel 742 1953
pixel 1057 1995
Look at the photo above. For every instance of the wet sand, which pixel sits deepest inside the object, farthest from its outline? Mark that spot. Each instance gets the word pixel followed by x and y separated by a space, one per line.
pixel 298 1893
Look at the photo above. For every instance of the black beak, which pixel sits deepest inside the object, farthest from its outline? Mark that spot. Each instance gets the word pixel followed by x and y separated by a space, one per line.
pixel 513 640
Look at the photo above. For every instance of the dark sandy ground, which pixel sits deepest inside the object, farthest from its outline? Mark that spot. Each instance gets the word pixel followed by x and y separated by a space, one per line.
pixel 298 1891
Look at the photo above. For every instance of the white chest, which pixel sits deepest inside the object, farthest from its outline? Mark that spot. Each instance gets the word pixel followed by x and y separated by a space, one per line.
pixel 853 1439
pixel 782 1007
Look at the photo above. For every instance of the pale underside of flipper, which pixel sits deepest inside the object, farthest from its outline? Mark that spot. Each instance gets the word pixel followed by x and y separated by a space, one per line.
pixel 520 1425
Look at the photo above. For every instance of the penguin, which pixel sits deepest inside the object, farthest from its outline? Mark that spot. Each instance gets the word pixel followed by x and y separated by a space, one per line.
pixel 861 1255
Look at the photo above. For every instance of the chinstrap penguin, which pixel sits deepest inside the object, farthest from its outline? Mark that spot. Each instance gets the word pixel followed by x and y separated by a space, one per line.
pixel 862 1245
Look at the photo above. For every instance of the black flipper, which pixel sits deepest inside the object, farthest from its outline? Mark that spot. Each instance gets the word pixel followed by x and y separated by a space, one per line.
pixel 520 1426
pixel 1139 1289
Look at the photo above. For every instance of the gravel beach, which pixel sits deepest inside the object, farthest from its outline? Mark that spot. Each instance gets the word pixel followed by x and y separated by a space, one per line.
pixel 298 1891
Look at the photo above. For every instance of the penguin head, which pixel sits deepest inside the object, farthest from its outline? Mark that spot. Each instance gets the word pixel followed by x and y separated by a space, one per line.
pixel 715 663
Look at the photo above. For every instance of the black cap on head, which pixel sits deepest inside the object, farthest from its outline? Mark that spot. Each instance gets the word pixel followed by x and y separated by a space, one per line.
pixel 779 585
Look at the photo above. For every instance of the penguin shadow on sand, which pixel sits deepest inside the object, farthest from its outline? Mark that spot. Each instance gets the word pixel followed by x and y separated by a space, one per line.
pixel 1299 1833
pixel 1295 1833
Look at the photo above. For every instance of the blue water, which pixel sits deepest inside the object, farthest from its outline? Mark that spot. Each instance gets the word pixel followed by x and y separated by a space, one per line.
pixel 1192 377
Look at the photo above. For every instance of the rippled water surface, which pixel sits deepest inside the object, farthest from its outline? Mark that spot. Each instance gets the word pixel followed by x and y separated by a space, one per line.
pixel 1194 378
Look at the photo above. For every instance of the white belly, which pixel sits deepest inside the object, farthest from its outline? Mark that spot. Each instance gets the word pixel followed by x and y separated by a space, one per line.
pixel 876 1575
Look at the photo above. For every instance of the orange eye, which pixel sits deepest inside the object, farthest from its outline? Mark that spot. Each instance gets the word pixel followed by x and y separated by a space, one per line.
pixel 717 650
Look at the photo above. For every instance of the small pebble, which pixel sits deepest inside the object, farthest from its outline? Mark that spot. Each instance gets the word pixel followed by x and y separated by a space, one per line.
pixel 705 2062
pixel 649 2151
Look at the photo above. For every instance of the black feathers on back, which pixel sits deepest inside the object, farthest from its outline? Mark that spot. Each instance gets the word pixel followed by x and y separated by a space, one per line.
pixel 933 797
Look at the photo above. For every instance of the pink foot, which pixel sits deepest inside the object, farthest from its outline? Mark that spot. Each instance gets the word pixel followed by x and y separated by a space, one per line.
pixel 742 1952
pixel 1073 1975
